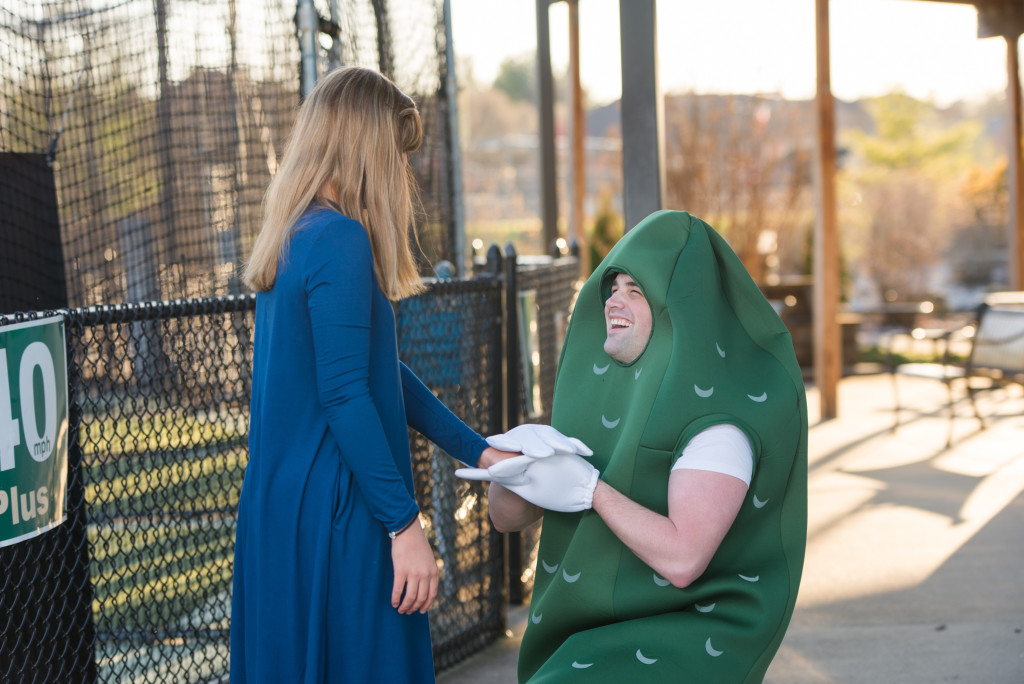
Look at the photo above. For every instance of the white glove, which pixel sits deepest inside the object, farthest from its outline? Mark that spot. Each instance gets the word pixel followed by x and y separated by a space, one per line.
pixel 560 482
pixel 539 441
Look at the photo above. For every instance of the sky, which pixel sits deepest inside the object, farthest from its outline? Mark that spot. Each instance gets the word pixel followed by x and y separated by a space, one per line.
pixel 929 50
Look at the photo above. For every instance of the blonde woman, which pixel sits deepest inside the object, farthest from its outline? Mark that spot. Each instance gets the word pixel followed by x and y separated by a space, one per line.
pixel 333 573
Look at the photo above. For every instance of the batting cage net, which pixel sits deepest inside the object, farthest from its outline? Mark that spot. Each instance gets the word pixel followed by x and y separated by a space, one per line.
pixel 137 136
pixel 136 140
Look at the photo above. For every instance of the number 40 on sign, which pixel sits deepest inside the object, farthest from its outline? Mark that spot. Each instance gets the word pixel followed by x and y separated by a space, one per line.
pixel 33 428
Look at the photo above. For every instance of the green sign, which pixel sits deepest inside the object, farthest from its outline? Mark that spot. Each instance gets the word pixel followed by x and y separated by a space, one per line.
pixel 33 428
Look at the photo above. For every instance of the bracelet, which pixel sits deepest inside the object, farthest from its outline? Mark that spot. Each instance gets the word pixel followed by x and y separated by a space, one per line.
pixel 406 526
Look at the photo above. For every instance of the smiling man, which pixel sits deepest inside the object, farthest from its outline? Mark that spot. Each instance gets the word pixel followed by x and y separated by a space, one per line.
pixel 628 320
pixel 682 560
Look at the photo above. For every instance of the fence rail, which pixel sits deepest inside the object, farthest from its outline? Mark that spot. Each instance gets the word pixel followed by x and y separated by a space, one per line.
pixel 135 585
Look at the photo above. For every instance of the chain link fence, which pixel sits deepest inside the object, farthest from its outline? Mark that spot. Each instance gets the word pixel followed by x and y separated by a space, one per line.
pixel 135 585
pixel 452 339
pixel 546 291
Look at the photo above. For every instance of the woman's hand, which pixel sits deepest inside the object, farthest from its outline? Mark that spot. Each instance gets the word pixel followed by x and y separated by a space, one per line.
pixel 490 456
pixel 415 570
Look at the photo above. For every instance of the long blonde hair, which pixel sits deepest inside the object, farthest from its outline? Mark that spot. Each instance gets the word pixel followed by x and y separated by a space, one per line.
pixel 351 136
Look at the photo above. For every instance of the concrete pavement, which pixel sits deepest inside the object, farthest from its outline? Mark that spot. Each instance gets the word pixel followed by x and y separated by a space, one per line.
pixel 915 555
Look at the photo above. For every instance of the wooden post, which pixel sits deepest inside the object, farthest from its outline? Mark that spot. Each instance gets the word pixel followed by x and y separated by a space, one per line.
pixel 827 341
pixel 578 165
pixel 1006 19
pixel 1014 175
pixel 546 105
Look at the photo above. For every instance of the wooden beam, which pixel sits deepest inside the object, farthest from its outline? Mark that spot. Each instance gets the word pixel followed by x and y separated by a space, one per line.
pixel 827 340
pixel 999 18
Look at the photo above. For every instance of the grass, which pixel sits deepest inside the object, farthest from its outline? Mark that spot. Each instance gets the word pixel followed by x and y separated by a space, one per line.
pixel 161 593
pixel 161 491
pixel 158 430
pixel 193 478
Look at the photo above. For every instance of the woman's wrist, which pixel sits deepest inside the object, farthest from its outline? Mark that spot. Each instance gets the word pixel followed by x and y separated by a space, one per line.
pixel 489 457
pixel 394 533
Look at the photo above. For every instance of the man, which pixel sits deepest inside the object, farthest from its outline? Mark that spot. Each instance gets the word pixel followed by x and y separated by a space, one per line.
pixel 684 558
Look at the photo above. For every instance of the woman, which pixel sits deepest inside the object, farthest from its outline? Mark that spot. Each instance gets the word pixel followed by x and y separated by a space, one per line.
pixel 333 572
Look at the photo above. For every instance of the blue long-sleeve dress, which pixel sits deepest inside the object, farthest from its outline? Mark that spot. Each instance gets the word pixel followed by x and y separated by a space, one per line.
pixel 329 473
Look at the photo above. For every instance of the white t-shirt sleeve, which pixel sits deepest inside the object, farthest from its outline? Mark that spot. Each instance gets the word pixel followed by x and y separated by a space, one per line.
pixel 721 448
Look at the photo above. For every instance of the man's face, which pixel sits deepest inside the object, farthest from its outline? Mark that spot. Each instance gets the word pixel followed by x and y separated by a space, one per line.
pixel 627 319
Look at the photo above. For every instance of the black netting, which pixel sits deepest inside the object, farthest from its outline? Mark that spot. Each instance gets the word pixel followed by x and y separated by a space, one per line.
pixel 547 291
pixel 452 339
pixel 135 585
pixel 152 127
pixel 553 287
pixel 164 402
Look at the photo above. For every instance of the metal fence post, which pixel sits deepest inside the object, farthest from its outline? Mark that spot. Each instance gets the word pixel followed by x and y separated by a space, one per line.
pixel 458 220
pixel 492 262
pixel 79 550
pixel 513 399
pixel 307 22
pixel 512 360
pixel 492 269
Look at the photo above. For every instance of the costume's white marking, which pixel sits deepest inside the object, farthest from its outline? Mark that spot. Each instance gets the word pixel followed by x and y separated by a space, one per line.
pixel 609 423
pixel 536 618
pixel 643 659
pixel 570 578
pixel 704 393
pixel 712 651
pixel 721 352
pixel 764 395
pixel 600 370
pixel 758 503
pixel 636 376
pixel 704 609
pixel 661 581
pixel 750 579
pixel 581 666
pixel 548 568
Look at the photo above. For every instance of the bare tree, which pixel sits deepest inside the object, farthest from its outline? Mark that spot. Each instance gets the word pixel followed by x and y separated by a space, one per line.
pixel 742 164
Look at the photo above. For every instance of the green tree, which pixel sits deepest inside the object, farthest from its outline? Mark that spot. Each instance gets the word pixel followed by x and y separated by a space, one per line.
pixel 608 227
pixel 517 78
pixel 901 191
pixel 910 136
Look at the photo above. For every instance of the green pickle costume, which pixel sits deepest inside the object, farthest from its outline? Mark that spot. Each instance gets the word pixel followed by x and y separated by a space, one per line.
pixel 718 353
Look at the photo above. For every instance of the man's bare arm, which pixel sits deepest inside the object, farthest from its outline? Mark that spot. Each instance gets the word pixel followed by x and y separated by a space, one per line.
pixel 702 507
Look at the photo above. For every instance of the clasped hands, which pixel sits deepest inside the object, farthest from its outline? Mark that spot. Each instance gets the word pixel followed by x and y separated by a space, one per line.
pixel 551 473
